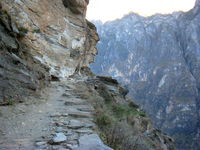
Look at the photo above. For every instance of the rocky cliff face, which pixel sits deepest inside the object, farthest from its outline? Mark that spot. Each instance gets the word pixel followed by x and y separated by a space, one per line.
pixel 159 59
pixel 50 42
pixel 41 40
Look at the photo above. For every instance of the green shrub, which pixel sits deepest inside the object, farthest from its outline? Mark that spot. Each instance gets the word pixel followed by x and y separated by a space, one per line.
pixel 23 29
pixel 103 120
pixel 105 94
pixel 10 102
pixel 133 105
pixel 36 31
pixel 123 110
pixel 22 32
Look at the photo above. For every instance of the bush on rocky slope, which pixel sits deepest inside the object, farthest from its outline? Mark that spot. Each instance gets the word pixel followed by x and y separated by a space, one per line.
pixel 121 124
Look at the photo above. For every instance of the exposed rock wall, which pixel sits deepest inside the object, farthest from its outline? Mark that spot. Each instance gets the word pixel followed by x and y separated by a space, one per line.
pixel 20 74
pixel 41 40
pixel 159 59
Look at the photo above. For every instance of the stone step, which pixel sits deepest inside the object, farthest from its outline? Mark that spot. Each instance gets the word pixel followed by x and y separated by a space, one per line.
pixel 86 108
pixel 73 136
pixel 77 124
pixel 59 115
pixel 83 108
pixel 74 101
pixel 84 131
pixel 73 112
pixel 79 114
pixel 92 142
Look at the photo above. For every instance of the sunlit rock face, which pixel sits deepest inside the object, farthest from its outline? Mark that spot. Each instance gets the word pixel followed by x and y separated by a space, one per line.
pixel 51 34
pixel 159 59
pixel 61 32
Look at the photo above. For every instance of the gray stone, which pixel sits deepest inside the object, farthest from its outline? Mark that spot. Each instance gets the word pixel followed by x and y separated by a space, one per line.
pixel 66 94
pixel 59 115
pixel 75 124
pixel 86 108
pixel 78 114
pixel 74 101
pixel 84 131
pixel 73 142
pixel 59 129
pixel 92 142
pixel 73 137
pixel 59 124
pixel 40 143
pixel 58 147
pixel 59 138
pixel 72 146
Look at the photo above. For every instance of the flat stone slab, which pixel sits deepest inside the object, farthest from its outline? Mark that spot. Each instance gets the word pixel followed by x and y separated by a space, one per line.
pixel 40 143
pixel 78 114
pixel 75 124
pixel 85 108
pixel 89 125
pixel 84 131
pixel 66 94
pixel 91 142
pixel 59 115
pixel 73 137
pixel 58 138
pixel 74 101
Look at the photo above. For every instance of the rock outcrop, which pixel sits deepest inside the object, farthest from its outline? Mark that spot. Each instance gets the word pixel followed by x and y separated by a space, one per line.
pixel 159 59
pixel 77 6
pixel 42 40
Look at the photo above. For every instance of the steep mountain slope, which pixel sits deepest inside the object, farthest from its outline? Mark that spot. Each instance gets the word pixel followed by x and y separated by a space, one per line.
pixel 45 50
pixel 41 40
pixel 159 59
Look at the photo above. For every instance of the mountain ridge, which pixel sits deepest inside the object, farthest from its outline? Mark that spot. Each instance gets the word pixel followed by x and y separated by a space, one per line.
pixel 158 58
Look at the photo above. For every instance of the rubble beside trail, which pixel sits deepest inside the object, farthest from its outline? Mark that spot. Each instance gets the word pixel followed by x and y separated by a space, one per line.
pixel 58 119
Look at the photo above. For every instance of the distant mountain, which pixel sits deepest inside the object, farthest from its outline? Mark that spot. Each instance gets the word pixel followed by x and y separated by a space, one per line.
pixel 159 59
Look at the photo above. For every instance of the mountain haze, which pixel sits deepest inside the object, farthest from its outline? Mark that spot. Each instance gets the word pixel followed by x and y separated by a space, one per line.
pixel 158 58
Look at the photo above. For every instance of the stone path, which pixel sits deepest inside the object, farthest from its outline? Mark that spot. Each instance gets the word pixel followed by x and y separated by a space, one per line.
pixel 58 120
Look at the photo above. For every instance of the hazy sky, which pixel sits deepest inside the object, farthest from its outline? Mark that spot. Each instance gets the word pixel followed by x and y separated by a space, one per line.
pixel 111 9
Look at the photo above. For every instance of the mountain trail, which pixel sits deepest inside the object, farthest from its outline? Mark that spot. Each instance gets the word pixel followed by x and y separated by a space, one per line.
pixel 55 120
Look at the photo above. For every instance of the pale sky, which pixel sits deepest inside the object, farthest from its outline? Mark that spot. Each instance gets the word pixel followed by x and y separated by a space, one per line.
pixel 106 10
